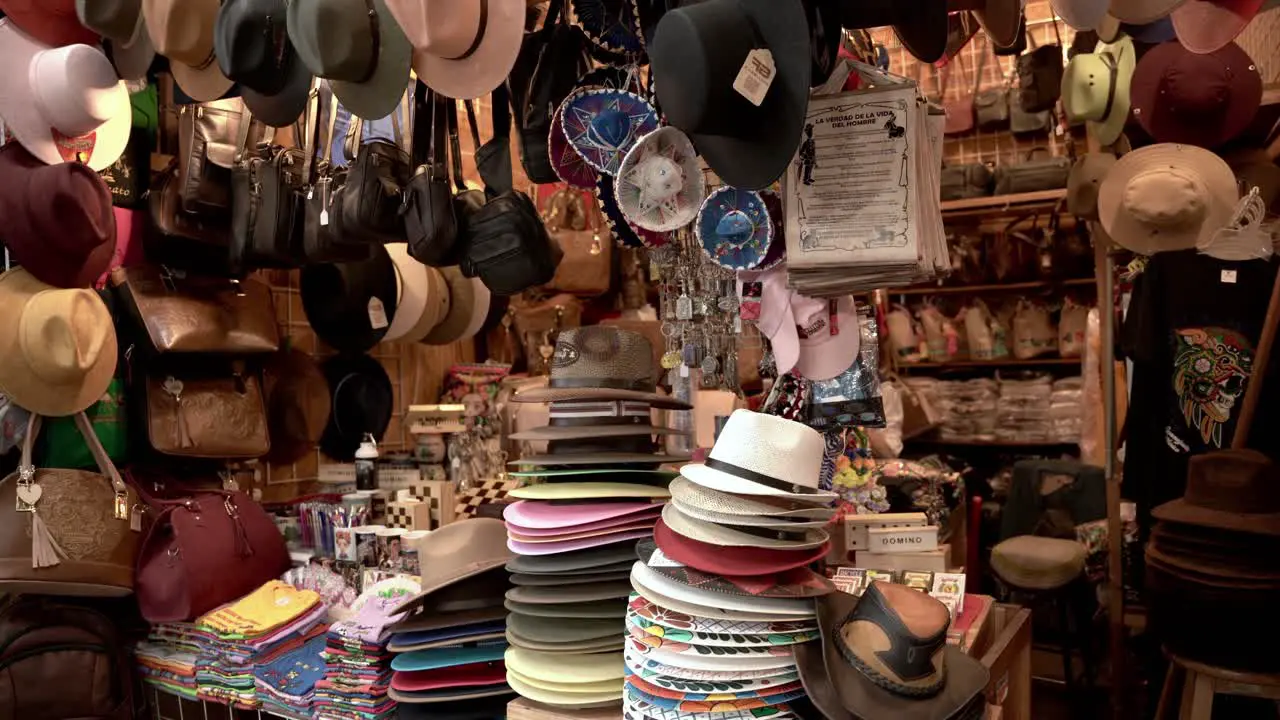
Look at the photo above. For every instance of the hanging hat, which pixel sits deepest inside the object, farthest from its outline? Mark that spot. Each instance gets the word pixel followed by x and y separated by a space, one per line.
pixel 568 165
pixel 758 454
pixel 252 43
pixel 696 55
pixel 1206 100
pixel 1087 174
pixel 362 52
pixel 922 28
pixel 602 125
pixel 1236 490
pixel 462 50
pixel 362 402
pixel 627 234
pixel 468 306
pixel 828 335
pixel 49 22
pixel 1152 33
pixel 734 228
pixel 571 420
pixel 62 103
pixel 1140 12
pixel 1166 197
pixel 183 30
pixel 1001 20
pixel 659 185
pixel 414 297
pixel 58 220
pixel 121 24
pixel 886 655
pixel 351 305
pixel 612 25
pixel 1254 168
pixel 825 33
pixel 778 246
pixel 57 347
pixel 1095 88
pixel 1081 14
pixel 1204 26
pixel 298 405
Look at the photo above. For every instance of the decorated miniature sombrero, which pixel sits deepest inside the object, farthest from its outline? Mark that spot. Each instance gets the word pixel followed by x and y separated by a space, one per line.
pixel 659 185
pixel 734 228
pixel 628 235
pixel 778 246
pixel 603 124
pixel 612 25
pixel 567 164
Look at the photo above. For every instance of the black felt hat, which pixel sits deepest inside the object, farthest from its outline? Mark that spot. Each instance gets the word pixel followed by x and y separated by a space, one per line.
pixel 362 402
pixel 251 40
pixel 350 305
pixel 922 27
pixel 696 54
pixel 824 38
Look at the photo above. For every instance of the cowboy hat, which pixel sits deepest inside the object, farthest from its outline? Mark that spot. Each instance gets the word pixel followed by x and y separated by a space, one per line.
pixel 590 560
pixel 1002 20
pixel 351 305
pixel 659 185
pixel 698 501
pixel 922 28
pixel 697 608
pixel 640 629
pixel 555 548
pixel 649 515
pixel 121 24
pixel 62 103
pixel 770 608
pixel 758 454
pixel 1182 97
pixel 429 640
pixel 359 47
pixel 362 402
pixel 586 419
pixel 468 306
pixel 534 515
pixel 58 220
pixel 611 609
pixel 697 52
pixel 462 49
pixel 886 655
pixel 183 31
pixel 417 306
pixel 251 40
pixel 1166 197
pixel 458 551
pixel 794 582
pixel 723 560
pixel 1087 174
pixel 57 347
pixel 641 609
pixel 50 22
pixel 564 534
pixel 1095 88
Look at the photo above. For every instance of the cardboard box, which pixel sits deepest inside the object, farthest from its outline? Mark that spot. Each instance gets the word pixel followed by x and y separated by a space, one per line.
pixel 856 527
pixel 902 539
pixel 931 560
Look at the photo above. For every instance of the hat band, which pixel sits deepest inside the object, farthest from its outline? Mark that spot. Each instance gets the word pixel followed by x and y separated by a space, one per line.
pixel 618 412
pixel 480 28
pixel 1113 65
pixel 602 384
pixel 768 533
pixel 755 477
pixel 376 35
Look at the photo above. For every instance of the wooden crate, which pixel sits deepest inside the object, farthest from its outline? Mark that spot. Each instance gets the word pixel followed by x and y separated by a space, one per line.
pixel 1008 658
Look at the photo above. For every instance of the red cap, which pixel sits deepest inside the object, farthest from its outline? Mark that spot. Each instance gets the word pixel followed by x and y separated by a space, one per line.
pixel 52 22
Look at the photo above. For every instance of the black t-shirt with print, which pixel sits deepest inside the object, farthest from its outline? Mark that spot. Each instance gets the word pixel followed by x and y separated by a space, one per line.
pixel 1191 330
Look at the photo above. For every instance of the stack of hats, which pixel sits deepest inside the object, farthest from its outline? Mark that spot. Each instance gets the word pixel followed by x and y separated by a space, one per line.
pixel 724 594
pixel 1214 555
pixel 885 655
pixel 574 535
pixel 448 649
pixel 357 663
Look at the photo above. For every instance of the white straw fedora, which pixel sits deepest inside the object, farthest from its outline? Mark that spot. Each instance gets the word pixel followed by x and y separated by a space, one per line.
pixel 183 31
pixel 63 104
pixel 1166 197
pixel 462 48
pixel 758 454
pixel 741 535
pixel 697 501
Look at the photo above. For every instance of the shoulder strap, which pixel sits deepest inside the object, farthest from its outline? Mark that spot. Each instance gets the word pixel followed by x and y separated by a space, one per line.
pixel 242 132
pixel 982 66
pixel 100 456
pixel 455 146
pixel 471 121
pixel 333 123
pixel 312 127
pixel 355 134
pixel 420 142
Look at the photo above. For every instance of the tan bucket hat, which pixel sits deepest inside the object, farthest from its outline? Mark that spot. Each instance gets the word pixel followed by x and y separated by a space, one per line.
pixel 183 31
pixel 459 551
pixel 1166 197
pixel 57 347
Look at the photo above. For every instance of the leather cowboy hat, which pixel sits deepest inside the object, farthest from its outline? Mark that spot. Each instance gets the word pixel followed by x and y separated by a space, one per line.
pixel 456 552
pixel 252 43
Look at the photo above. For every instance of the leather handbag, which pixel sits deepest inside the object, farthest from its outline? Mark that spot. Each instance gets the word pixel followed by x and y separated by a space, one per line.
pixel 1040 75
pixel 267 192
pixel 205 550
pixel 70 532
pixel 374 187
pixel 990 107
pixel 537 322
pixel 206 410
pixel 507 246
pixel 1032 175
pixel 207 149
pixel 196 314
pixel 430 219
pixel 1022 122
pixel 959 109
pixel 183 240
pixel 573 220
pixel 323 237
pixel 968 180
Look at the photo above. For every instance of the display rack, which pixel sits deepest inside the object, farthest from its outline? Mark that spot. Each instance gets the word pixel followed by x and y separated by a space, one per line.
pixel 166 706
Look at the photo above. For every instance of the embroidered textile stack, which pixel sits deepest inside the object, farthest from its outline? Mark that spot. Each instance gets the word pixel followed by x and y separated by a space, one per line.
pixel 574 535
pixel 724 593
pixel 357 663
pixel 285 678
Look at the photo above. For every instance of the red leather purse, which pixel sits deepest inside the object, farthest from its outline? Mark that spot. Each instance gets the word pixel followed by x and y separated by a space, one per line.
pixel 203 551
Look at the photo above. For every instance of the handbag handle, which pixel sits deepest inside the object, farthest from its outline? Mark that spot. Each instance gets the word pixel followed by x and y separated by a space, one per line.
pixel 455 147
pixel 243 131
pixel 312 127
pixel 105 466
pixel 982 67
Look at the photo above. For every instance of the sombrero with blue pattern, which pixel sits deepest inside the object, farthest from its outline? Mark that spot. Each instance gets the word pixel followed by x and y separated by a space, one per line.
pixel 611 25
pixel 566 162
pixel 603 124
pixel 734 228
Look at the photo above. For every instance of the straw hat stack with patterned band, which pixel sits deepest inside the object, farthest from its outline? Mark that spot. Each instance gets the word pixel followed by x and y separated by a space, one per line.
pixel 724 594
pixel 574 534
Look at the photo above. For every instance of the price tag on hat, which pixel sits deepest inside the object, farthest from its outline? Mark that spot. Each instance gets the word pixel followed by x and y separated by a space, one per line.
pixel 756 76
pixel 377 314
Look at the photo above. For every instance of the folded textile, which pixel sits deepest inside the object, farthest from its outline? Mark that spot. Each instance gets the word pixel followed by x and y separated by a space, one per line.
pixel 274 604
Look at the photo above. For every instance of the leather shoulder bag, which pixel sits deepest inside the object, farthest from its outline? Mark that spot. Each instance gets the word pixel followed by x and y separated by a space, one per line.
pixel 205 408
pixel 572 218
pixel 1033 175
pixel 323 239
pixel 68 532
pixel 206 153
pixel 184 240
pixel 959 110
pixel 990 107
pixel 1040 75
pixel 507 246
pixel 205 550
pixel 430 219
pixel 197 314
pixel 375 184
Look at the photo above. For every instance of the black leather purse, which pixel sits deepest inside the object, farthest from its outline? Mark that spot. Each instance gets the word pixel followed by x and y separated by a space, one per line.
pixel 267 194
pixel 1040 75
pixel 323 239
pixel 376 179
pixel 430 220
pixel 508 247
pixel 206 153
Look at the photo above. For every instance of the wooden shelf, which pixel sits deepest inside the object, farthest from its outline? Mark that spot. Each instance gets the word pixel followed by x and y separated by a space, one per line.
pixel 1003 363
pixel 925 440
pixel 995 288
pixel 1002 203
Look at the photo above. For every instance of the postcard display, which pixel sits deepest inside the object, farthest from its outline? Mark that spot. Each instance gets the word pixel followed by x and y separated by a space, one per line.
pixel 862 195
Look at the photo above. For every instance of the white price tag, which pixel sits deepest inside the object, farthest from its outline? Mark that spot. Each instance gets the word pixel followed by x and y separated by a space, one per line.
pixel 1229 276
pixel 324 218
pixel 756 76
pixel 377 314
pixel 684 370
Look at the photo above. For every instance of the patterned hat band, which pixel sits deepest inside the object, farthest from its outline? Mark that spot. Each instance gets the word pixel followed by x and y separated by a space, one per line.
pixel 617 412
pixel 597 383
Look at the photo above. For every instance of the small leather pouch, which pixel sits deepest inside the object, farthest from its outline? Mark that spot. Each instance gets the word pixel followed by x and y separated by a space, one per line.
pixel 508 247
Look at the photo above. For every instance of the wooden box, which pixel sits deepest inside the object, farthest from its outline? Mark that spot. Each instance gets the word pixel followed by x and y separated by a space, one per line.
pixel 410 515
pixel 440 497
pixel 902 539
pixel 856 527
pixel 1008 658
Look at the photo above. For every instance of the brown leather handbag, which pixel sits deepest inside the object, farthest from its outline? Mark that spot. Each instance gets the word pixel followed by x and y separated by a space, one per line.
pixel 68 532
pixel 537 323
pixel 206 153
pixel 193 314
pixel 205 550
pixel 212 411
pixel 573 220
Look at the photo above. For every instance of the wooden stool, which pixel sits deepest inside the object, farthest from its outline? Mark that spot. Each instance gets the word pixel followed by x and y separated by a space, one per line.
pixel 1201 682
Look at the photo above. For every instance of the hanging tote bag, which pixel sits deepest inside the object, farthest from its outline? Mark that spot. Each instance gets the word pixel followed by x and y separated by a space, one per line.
pixel 68 532
pixel 1040 75
pixel 959 110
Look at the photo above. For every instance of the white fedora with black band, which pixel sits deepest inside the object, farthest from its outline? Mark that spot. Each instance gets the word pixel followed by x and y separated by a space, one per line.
pixel 758 454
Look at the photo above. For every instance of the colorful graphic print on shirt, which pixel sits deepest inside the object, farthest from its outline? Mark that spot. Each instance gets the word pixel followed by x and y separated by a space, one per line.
pixel 1211 368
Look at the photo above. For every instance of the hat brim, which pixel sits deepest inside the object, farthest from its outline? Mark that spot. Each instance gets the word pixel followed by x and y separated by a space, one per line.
pixel 600 458
pixel 589 560
pixel 554 548
pixel 541 667
pixel 743 509
pixel 453 639
pixel 581 701
pixel 283 108
pixel 431 622
pixel 765 608
pixel 666 142
pixel 1001 20
pixel 724 482
pixel 336 297
pixel 1148 92
pixel 536 517
pixel 462 676
pixel 611 610
pixel 204 84
pixel 1110 128
pixel 548 580
pixel 451 695
pixel 796 582
pixel 694 609
pixel 578 432
pixel 414 296
pixel 1081 14
pixel 577 592
pixel 829 356
pixel 487 66
pixel 732 561
pixel 1214 572
pixel 642 609
pixel 1181 511
pixel 1219 181
pixel 133 59
pixel 765 521
pixel 1192 578
pixel 22 115
pixel 627 234
pixel 714 534
pixel 378 96
pixel 567 534
pixel 341 437
pixel 925 35
pixel 613 642
pixel 613 524
pixel 20 381
pixel 655 671
pixel 549 631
